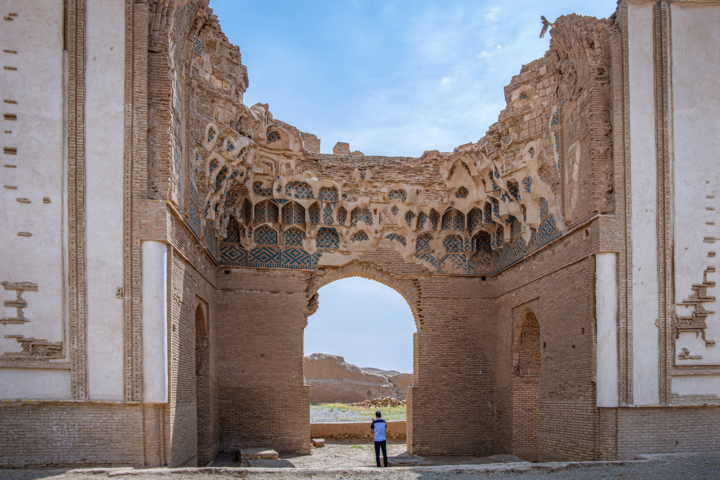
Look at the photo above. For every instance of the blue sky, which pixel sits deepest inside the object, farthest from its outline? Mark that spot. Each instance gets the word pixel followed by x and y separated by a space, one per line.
pixel 364 321
pixel 391 77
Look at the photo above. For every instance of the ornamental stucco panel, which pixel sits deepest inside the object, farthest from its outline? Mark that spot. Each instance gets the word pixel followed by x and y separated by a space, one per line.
pixel 32 199
pixel 696 137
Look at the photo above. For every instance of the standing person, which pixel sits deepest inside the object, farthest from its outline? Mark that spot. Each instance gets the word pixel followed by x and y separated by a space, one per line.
pixel 378 428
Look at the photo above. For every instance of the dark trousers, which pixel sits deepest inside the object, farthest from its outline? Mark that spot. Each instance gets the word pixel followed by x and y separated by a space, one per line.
pixel 378 446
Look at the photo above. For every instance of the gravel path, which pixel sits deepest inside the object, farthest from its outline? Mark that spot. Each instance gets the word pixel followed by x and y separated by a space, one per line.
pixel 689 467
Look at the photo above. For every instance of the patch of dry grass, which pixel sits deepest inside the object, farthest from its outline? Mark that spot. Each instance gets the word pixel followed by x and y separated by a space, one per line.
pixel 388 413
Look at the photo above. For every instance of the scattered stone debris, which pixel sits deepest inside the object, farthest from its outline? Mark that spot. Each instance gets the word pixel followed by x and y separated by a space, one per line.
pixel 380 402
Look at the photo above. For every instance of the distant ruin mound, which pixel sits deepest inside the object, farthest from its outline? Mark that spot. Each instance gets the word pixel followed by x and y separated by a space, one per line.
pixel 332 380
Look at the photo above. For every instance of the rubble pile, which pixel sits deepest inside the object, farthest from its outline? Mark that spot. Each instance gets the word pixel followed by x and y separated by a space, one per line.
pixel 380 402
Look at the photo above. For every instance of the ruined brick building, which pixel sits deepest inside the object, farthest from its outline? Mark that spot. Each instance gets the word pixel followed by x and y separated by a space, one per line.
pixel 164 243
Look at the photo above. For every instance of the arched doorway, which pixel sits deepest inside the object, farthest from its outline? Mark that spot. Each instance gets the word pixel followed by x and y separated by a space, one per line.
pixel 526 384
pixel 202 388
pixel 403 338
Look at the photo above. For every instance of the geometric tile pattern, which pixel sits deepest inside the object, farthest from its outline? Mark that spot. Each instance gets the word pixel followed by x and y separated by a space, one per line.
pixel 298 190
pixel 398 195
pixel 423 242
pixel 488 213
pixel 434 218
pixel 499 236
pixel 547 231
pixel 273 137
pixel 474 218
pixel 264 256
pixel 265 235
pixel 532 152
pixel 495 207
pixel 342 215
pixel 513 190
pixel 194 218
pixel 492 182
pixel 232 255
pixel 527 183
pixel 409 216
pixel 293 212
pixel 233 232
pixel 213 164
pixel 462 192
pixel 544 209
pixel 481 263
pixel 396 237
pixel 266 211
pixel 198 46
pixel 361 215
pixel 221 176
pixel 453 244
pixel 211 134
pixel 194 195
pixel 328 194
pixel 314 213
pixel 394 210
pixel 428 258
pixel 453 263
pixel 359 236
pixel 296 258
pixel 422 218
pixel 483 242
pixel 524 212
pixel 327 238
pixel 268 257
pixel 261 191
pixel 510 253
pixel 328 214
pixel 293 237
pixel 453 220
pixel 464 165
pixel 533 238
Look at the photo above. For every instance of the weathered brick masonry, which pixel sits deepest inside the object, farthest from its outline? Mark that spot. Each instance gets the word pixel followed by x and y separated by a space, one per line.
pixel 497 247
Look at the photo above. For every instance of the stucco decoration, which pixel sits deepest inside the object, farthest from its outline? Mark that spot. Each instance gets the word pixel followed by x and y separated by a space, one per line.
pixel 508 194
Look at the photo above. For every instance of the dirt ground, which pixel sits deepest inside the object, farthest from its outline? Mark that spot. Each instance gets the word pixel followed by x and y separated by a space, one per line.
pixel 687 467
pixel 341 454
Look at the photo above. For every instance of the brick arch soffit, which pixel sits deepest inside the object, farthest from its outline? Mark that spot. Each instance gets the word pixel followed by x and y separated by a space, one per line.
pixel 526 316
pixel 405 288
pixel 202 307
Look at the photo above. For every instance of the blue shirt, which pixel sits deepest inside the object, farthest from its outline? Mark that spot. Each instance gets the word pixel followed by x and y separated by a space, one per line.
pixel 378 428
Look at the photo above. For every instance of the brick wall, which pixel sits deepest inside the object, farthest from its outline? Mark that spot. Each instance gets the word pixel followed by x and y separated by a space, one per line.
pixel 56 434
pixel 263 400
pixel 558 286
pixel 667 430
pixel 525 417
pixel 452 401
pixel 191 287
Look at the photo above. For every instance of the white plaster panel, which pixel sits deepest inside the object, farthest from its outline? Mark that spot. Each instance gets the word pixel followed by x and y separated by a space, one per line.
pixel 104 103
pixel 700 385
pixel 644 201
pixel 154 322
pixel 19 384
pixel 606 311
pixel 37 87
pixel 696 142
